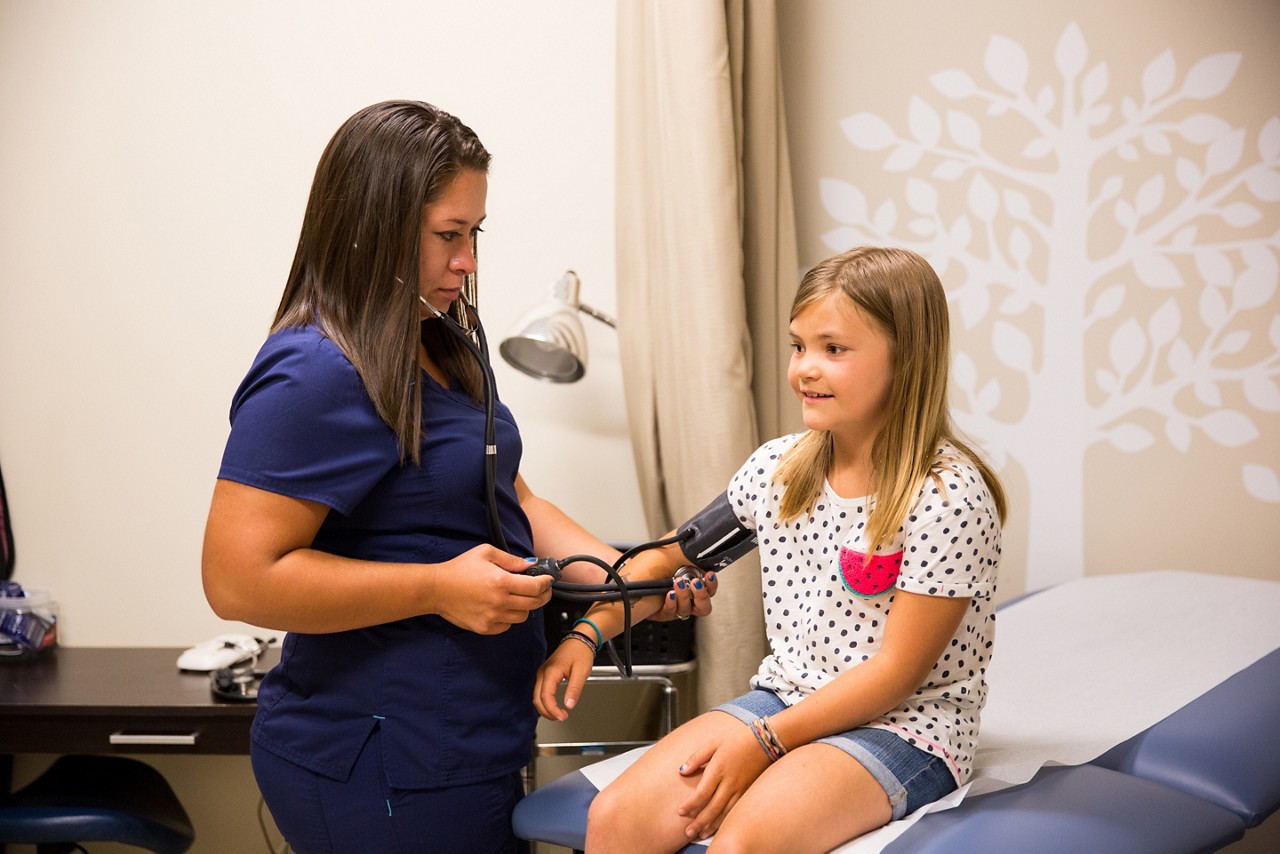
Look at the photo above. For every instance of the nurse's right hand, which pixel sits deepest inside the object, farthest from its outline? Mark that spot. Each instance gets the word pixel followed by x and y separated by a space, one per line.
pixel 484 591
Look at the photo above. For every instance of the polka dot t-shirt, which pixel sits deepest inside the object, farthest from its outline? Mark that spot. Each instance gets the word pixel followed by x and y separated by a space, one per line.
pixel 826 602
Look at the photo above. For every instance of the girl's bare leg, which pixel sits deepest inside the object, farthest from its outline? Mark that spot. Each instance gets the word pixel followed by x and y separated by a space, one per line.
pixel 814 798
pixel 637 812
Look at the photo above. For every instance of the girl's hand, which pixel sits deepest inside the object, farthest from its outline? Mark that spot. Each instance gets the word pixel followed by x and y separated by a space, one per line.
pixel 728 765
pixel 570 661
pixel 484 590
pixel 688 600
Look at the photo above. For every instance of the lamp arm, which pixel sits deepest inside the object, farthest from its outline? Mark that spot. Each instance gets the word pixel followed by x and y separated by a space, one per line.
pixel 598 315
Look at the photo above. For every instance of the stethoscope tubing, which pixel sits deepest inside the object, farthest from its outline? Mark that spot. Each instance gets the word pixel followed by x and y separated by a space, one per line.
pixel 480 349
pixel 618 589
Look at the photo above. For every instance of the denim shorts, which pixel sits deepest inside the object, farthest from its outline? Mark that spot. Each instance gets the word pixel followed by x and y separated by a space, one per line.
pixel 911 777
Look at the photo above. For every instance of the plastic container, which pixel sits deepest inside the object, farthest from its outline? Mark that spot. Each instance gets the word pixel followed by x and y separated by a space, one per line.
pixel 28 621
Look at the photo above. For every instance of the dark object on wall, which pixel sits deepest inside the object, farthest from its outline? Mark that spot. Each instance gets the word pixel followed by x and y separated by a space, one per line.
pixel 6 534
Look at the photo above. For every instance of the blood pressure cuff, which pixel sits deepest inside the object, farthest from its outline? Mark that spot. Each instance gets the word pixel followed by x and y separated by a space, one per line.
pixel 714 538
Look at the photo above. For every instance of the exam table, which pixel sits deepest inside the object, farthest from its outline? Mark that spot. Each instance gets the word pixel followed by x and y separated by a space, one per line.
pixel 1192 780
pixel 1195 781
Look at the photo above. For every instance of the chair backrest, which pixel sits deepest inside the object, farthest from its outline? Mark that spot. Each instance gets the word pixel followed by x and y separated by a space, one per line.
pixel 6 534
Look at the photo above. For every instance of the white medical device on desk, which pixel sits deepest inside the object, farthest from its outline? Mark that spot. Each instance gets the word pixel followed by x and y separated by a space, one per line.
pixel 221 652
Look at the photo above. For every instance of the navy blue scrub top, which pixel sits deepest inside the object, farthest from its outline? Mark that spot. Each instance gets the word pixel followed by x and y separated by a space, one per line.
pixel 454 707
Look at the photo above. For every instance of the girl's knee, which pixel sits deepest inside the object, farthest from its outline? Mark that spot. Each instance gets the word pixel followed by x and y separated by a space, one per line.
pixel 739 837
pixel 609 819
pixel 603 806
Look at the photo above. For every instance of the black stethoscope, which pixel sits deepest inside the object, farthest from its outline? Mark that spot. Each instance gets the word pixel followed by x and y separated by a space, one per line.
pixel 618 588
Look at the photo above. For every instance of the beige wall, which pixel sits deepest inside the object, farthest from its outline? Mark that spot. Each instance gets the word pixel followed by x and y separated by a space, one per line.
pixel 154 162
pixel 1112 266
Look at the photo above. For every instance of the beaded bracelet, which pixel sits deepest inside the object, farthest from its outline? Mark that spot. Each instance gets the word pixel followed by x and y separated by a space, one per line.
pixel 594 627
pixel 581 636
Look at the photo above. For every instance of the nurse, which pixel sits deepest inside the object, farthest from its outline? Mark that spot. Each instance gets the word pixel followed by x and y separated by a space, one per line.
pixel 351 512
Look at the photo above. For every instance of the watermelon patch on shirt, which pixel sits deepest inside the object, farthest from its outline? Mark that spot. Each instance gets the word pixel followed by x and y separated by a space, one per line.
pixel 868 578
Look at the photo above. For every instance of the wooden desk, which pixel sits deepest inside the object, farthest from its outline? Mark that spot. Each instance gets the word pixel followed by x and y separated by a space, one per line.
pixel 117 700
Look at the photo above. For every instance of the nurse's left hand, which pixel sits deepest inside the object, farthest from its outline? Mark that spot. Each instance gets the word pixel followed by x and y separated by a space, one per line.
pixel 688 599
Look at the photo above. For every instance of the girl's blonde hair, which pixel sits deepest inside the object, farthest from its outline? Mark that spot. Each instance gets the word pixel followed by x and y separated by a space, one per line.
pixel 900 292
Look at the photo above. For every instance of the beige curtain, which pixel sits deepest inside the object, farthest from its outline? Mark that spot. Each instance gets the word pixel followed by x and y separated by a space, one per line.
pixel 706 265
pixel 771 270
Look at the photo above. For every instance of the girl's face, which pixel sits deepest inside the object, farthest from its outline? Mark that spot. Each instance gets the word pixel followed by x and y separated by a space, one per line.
pixel 841 368
pixel 445 256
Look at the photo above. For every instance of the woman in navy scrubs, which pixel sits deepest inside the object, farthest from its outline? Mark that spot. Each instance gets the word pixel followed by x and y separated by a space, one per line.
pixel 350 511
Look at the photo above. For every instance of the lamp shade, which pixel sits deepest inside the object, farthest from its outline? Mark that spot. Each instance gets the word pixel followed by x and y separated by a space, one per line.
pixel 549 342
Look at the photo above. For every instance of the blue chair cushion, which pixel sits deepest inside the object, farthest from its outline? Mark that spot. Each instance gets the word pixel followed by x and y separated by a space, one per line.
pixel 97 798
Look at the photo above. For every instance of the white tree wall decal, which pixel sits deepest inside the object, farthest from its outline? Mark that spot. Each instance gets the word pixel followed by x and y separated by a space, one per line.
pixel 1016 240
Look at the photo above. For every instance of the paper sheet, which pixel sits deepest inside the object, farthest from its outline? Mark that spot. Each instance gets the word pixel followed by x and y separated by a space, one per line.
pixel 1088 664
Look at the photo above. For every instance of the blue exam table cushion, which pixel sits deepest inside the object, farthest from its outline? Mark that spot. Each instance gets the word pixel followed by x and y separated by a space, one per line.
pixel 1070 809
pixel 1222 747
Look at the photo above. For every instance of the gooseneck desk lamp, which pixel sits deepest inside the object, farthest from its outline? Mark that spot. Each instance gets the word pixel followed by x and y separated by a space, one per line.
pixel 550 343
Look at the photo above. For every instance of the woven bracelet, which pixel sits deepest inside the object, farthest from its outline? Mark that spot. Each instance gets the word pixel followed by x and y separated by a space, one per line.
pixel 582 637
pixel 767 739
pixel 772 737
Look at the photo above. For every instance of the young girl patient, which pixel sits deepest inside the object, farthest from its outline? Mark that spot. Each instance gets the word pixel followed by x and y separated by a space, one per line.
pixel 879 542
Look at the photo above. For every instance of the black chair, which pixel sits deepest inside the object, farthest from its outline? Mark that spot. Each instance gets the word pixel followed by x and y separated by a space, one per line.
pixel 96 799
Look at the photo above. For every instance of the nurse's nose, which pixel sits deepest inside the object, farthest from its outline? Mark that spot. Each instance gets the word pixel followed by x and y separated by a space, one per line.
pixel 464 260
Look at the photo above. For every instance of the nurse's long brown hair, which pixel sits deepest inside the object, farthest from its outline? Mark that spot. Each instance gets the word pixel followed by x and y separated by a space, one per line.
pixel 900 292
pixel 355 272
